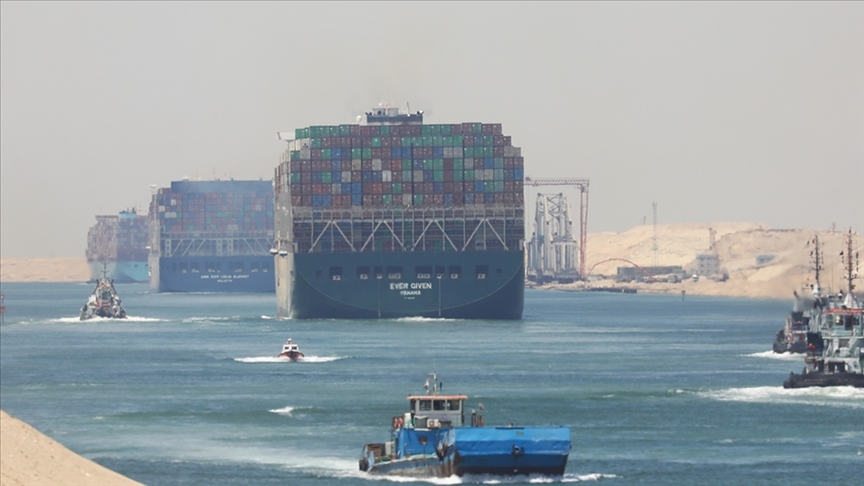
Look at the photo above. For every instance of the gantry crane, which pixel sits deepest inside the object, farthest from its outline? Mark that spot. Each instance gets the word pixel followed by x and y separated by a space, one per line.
pixel 582 186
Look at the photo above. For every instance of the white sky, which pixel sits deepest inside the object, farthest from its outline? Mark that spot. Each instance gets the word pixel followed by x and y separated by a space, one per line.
pixel 727 111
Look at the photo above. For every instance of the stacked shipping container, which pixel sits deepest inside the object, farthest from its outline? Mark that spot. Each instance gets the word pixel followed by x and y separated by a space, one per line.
pixel 401 165
pixel 215 207
pixel 118 245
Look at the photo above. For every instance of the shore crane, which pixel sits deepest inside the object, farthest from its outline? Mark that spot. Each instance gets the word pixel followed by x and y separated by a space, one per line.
pixel 582 186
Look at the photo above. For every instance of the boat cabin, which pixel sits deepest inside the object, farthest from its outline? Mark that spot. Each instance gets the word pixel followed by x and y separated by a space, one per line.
pixel 290 346
pixel 436 411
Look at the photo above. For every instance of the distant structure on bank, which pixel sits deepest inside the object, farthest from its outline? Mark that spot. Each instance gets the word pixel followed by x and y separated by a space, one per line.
pixel 117 247
pixel 212 236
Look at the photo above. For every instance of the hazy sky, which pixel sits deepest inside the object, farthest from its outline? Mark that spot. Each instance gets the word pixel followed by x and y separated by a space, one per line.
pixel 728 111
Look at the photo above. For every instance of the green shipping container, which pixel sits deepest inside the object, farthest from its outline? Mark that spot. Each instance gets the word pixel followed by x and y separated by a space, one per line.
pixel 325 154
pixel 397 188
pixel 439 176
pixel 388 199
pixel 418 199
pixel 406 164
pixel 367 153
pixel 316 143
pixel 458 164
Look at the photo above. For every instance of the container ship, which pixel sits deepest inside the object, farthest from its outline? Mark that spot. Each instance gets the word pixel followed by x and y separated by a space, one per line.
pixel 117 247
pixel 212 236
pixel 394 218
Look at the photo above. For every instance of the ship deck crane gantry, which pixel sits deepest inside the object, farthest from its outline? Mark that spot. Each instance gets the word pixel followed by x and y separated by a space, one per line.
pixel 582 186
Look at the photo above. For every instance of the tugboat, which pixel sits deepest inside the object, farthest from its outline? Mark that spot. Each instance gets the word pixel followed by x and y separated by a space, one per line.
pixel 840 361
pixel 291 351
pixel 432 439
pixel 798 333
pixel 103 302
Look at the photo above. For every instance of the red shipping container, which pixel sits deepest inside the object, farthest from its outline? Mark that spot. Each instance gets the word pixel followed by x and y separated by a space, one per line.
pixel 326 143
pixel 306 189
pixel 316 154
pixel 468 187
pixel 296 200
pixel 318 189
pixel 366 130
pixel 367 188
pixel 448 164
pixel 355 130
pixel 458 199
pixel 346 166
pixel 518 187
pixel 377 188
pixel 386 187
pixel 508 162
pixel 509 197
pixel 509 186
pixel 437 199
pixel 307 201
pixel 386 142
pixel 356 176
pixel 356 142
pixel 448 186
pixel 296 189
pixel 455 129
pixel 448 175
pixel 366 164
pixel 498 151
pixel 396 176
pixel 377 200
pixel 518 163
pixel 377 152
pixel 367 200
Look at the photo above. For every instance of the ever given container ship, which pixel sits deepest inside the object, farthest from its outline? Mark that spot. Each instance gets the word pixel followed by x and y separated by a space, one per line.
pixel 395 218
pixel 212 236
pixel 117 246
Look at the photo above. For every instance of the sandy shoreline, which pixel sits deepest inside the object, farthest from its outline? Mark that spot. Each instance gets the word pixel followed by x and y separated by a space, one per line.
pixel 30 458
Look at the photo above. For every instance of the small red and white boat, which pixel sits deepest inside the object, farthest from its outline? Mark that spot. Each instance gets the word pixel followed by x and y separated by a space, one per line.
pixel 291 351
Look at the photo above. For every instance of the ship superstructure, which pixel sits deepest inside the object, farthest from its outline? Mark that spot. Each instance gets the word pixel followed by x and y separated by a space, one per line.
pixel 212 236
pixel 117 247
pixel 396 218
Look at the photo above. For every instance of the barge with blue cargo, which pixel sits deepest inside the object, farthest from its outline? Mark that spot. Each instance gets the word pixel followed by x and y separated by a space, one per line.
pixel 395 218
pixel 212 236
pixel 433 439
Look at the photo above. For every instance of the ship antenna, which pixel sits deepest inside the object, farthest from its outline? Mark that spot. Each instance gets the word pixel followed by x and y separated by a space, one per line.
pixel 850 276
pixel 816 260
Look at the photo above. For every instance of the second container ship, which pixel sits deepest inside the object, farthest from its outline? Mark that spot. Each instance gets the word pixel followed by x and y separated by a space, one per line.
pixel 395 218
pixel 212 236
pixel 117 247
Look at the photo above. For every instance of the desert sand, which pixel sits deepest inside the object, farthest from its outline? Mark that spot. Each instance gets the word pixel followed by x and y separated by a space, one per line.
pixel 737 246
pixel 29 458
pixel 44 270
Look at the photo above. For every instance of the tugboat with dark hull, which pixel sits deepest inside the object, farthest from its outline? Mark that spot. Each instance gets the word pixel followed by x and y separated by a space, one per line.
pixel 799 333
pixel 103 301
pixel 840 324
pixel 433 439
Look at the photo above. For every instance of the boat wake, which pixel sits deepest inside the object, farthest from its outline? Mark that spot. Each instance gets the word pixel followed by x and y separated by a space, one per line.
pixel 777 356
pixel 836 396
pixel 288 411
pixel 489 479
pixel 277 359
pixel 107 319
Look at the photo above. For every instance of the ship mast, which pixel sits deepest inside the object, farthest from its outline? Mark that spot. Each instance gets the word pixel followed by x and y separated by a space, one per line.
pixel 816 260
pixel 848 260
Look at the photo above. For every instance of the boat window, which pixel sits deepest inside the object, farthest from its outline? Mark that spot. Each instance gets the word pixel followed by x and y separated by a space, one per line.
pixel 439 271
pixel 413 407
pixel 363 273
pixel 438 404
pixel 335 273
pixel 213 267
pixel 255 266
pixel 194 267
pixel 425 405
pixel 455 271
pixel 481 271
pixel 379 272
pixel 394 272
pixel 454 404
pixel 423 271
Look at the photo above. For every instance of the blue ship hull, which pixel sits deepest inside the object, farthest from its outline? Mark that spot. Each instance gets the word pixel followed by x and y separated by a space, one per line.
pixel 213 274
pixel 497 294
pixel 120 271
pixel 500 451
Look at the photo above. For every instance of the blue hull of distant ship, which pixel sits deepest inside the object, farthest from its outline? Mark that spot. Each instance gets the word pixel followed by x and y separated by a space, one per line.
pixel 190 274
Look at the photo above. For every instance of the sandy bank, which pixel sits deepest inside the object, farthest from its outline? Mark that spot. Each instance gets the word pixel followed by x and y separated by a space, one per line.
pixel 44 270
pixel 29 458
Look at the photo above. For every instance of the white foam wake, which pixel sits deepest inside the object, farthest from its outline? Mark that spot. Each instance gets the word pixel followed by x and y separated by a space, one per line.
pixel 107 319
pixel 778 356
pixel 277 359
pixel 835 396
